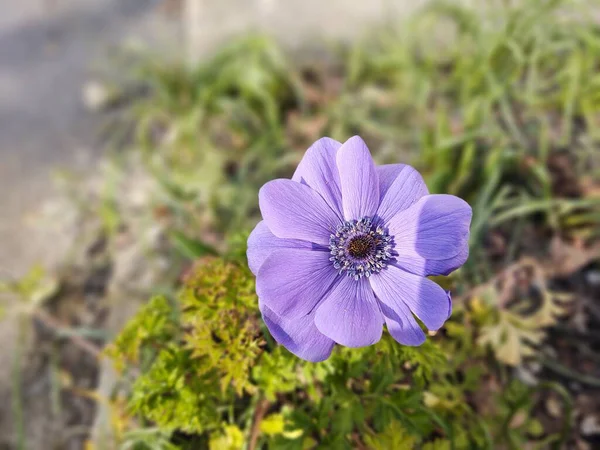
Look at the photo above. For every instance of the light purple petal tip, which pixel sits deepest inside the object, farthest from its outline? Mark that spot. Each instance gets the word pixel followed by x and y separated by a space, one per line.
pixel 318 169
pixel 431 267
pixel 387 173
pixel 435 228
pixel 449 294
pixel 401 186
pixel 261 243
pixel 292 281
pixel 402 325
pixel 350 314
pixel 300 336
pixel 396 288
pixel 358 178
pixel 295 211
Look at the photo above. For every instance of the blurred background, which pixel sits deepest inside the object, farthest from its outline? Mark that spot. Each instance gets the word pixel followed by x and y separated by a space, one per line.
pixel 135 134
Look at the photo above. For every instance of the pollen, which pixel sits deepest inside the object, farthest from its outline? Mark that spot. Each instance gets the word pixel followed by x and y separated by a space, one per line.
pixel 361 246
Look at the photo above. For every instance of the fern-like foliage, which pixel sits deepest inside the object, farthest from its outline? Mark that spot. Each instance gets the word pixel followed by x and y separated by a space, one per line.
pixel 207 371
pixel 220 316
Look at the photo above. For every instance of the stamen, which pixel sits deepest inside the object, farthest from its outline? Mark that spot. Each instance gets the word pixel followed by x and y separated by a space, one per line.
pixel 360 248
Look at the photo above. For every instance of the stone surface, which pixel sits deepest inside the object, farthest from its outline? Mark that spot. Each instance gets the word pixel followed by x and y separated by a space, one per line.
pixel 295 23
pixel 49 49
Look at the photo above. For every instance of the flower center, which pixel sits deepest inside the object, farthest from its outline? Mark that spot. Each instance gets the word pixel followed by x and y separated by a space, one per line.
pixel 360 248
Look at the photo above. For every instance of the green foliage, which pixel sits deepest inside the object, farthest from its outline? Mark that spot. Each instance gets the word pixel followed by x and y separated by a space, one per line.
pixel 147 439
pixel 487 108
pixel 480 100
pixel 220 315
pixel 277 374
pixel 146 332
pixel 230 438
pixel 191 248
pixel 172 394
pixel 212 370
pixel 219 130
pixel 438 444
pixel 393 436
pixel 195 352
pixel 32 288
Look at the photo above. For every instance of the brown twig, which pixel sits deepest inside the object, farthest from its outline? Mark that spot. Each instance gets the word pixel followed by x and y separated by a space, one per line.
pixel 259 414
pixel 507 277
pixel 358 443
pixel 56 326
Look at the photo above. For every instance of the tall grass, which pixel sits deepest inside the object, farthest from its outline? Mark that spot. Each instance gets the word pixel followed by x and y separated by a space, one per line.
pixel 480 100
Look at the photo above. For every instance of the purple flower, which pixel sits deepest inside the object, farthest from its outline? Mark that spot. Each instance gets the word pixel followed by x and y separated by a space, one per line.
pixel 345 247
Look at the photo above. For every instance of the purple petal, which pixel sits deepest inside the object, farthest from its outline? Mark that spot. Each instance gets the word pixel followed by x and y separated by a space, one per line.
pixel 387 173
pixel 295 211
pixel 292 281
pixel 300 336
pixel 428 267
pixel 396 288
pixel 318 170
pixel 350 314
pixel 449 294
pixel 402 325
pixel 401 192
pixel 261 243
pixel 359 181
pixel 436 228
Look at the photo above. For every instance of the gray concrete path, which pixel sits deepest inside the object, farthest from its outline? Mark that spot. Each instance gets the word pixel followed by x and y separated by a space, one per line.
pixel 295 23
pixel 48 50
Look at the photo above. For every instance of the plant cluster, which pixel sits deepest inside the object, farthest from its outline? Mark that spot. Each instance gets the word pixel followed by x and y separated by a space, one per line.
pixel 208 372
pixel 500 107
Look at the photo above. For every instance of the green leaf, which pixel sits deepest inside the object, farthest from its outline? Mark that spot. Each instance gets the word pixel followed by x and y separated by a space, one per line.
pixel 393 437
pixel 191 248
pixel 229 438
pixel 273 424
pixel 438 444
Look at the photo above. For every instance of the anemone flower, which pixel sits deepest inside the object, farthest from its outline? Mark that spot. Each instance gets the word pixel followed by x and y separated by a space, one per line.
pixel 345 246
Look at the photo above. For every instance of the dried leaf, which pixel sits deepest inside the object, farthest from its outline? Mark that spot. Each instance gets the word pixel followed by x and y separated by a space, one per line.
pixel 554 407
pixel 522 319
pixel 511 338
pixel 567 259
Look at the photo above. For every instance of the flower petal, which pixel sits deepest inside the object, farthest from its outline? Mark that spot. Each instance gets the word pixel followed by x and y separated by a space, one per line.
pixel 402 192
pixel 350 314
pixel 402 325
pixel 300 336
pixel 396 289
pixel 435 228
pixel 428 267
pixel 387 173
pixel 449 294
pixel 295 211
pixel 292 281
pixel 358 178
pixel 318 170
pixel 261 243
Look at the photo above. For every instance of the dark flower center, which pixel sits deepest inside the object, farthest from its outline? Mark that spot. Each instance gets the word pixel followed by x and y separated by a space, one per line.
pixel 360 248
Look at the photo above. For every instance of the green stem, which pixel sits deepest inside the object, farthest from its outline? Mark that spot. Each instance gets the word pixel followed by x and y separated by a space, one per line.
pixel 564 371
pixel 17 395
pixel 565 432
